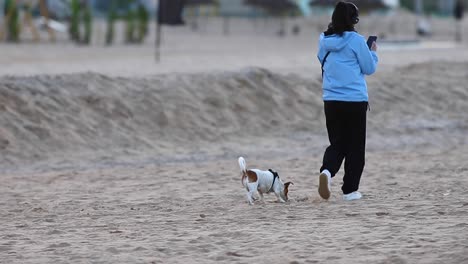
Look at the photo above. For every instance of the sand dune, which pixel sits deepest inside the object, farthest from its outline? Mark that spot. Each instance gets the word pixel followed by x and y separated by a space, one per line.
pixel 47 117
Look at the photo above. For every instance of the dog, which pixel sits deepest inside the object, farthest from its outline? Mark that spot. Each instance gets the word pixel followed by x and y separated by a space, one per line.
pixel 260 181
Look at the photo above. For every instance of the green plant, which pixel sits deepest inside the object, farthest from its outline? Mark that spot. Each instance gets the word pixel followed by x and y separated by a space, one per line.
pixel 88 20
pixel 111 17
pixel 130 29
pixel 75 20
pixel 143 18
pixel 13 20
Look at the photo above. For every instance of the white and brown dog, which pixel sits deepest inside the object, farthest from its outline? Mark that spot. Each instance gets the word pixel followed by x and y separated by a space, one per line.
pixel 260 181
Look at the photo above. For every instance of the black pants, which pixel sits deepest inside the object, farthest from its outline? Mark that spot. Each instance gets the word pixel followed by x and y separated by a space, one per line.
pixel 346 126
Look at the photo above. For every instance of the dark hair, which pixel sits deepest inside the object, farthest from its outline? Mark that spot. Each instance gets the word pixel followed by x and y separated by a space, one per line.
pixel 345 16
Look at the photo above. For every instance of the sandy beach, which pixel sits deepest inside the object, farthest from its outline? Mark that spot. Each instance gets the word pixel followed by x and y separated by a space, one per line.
pixel 108 157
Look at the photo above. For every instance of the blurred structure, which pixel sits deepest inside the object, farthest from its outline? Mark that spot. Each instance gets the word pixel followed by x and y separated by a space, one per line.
pixel 169 13
pixel 459 10
pixel 364 5
pixel 458 13
pixel 237 8
pixel 28 17
pixel 437 7
pixel 200 2
pixel 193 9
pixel 12 26
pixel 275 7
pixel 228 9
pixel 102 7
pixel 278 8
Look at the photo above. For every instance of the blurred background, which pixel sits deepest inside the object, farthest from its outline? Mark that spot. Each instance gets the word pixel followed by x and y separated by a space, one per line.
pixel 116 36
pixel 108 22
pixel 198 48
pixel 112 106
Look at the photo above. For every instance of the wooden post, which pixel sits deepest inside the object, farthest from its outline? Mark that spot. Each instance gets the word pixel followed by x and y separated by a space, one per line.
pixel 458 30
pixel 158 41
pixel 226 25
pixel 458 14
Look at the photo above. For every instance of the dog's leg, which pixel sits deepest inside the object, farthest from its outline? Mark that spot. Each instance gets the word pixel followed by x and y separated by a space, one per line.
pixel 252 188
pixel 261 196
pixel 249 198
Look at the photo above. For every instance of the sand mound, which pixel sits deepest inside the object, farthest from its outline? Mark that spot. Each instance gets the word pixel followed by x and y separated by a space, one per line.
pixel 424 103
pixel 45 116
pixel 49 116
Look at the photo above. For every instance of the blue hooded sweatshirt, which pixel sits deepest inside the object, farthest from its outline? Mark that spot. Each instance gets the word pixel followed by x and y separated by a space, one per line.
pixel 344 69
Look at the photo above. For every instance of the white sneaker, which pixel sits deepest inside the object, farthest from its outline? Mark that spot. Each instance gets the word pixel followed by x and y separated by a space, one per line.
pixel 352 196
pixel 324 188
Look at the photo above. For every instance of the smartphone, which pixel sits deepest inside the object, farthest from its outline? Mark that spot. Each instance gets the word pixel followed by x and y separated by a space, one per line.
pixel 371 40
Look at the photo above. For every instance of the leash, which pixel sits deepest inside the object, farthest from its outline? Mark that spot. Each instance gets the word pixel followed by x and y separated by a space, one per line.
pixel 275 175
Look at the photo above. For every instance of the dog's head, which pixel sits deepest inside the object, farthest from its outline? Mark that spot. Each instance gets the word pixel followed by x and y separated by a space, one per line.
pixel 285 190
pixel 284 186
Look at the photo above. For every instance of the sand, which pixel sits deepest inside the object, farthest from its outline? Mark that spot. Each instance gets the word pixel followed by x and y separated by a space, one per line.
pixel 107 157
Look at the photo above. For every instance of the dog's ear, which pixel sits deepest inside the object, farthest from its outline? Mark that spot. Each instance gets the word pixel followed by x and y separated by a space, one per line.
pixel 286 188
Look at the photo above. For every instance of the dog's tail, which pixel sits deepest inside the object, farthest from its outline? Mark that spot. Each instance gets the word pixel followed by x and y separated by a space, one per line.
pixel 242 165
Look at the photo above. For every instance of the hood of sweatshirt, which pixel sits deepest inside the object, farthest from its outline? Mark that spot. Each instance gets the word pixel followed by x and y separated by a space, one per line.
pixel 336 42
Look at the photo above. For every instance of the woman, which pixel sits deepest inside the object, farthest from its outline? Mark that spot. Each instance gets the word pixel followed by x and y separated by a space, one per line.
pixel 346 59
